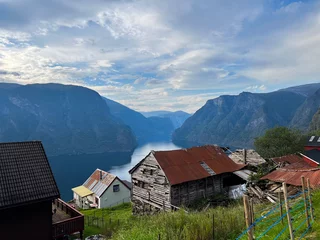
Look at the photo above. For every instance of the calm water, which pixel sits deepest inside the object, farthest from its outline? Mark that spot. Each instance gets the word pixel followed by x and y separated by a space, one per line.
pixel 72 171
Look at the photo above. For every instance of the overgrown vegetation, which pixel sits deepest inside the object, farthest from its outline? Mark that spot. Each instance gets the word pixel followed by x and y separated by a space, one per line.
pixel 228 223
pixel 280 141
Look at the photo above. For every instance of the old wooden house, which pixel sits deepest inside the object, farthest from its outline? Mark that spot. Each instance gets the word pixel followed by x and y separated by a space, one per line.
pixel 165 180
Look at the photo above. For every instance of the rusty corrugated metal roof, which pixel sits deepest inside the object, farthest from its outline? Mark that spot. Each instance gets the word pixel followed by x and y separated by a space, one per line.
pixel 292 174
pixel 186 165
pixel 97 185
pixel 292 158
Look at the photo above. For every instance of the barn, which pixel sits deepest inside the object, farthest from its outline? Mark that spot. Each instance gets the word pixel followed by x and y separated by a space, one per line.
pixel 165 180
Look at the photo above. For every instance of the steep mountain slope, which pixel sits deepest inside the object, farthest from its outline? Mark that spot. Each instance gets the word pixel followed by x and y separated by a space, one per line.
pixel 145 129
pixel 67 119
pixel 306 111
pixel 177 118
pixel 315 123
pixel 237 120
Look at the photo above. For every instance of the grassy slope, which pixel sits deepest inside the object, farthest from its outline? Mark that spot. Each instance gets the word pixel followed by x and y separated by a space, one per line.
pixel 229 223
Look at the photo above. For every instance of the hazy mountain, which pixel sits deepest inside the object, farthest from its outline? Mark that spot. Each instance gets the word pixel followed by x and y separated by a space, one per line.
pixel 315 123
pixel 177 118
pixel 67 119
pixel 237 120
pixel 145 129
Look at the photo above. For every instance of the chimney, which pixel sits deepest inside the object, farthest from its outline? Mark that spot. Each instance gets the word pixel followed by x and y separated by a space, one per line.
pixel 245 156
pixel 100 175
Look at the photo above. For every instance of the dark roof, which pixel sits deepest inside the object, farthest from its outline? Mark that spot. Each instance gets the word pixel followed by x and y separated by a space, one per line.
pixel 292 158
pixel 127 183
pixel 313 141
pixel 25 174
pixel 195 163
pixel 313 154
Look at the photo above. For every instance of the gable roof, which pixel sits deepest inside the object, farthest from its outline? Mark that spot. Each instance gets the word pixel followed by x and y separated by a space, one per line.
pixel 292 158
pixel 99 181
pixel 195 163
pixel 313 141
pixel 25 174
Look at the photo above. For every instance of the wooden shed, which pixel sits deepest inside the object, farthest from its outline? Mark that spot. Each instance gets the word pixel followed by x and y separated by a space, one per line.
pixel 165 180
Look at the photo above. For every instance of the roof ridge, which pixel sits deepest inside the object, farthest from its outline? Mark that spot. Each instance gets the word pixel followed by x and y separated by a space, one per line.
pixel 31 141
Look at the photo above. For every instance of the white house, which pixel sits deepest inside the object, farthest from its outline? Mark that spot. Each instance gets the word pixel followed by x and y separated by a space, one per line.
pixel 101 190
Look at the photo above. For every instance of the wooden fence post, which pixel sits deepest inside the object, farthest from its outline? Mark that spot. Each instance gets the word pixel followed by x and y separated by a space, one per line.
pixel 212 226
pixel 251 214
pixel 159 236
pixel 247 215
pixel 280 206
pixel 305 200
pixel 310 199
pixel 285 193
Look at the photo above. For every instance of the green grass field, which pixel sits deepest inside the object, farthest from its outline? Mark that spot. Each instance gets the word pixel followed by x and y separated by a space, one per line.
pixel 119 224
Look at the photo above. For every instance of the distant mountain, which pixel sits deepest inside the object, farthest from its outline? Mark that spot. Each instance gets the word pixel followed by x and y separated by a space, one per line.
pixel 67 119
pixel 145 129
pixel 177 118
pixel 306 90
pixel 237 120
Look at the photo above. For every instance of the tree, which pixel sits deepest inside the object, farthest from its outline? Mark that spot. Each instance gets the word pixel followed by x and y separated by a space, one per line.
pixel 279 141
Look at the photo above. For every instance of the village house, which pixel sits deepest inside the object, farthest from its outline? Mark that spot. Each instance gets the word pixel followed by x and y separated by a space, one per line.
pixel 101 190
pixel 165 180
pixel 30 207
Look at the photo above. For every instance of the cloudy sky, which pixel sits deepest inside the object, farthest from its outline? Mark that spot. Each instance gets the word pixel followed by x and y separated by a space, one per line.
pixel 161 54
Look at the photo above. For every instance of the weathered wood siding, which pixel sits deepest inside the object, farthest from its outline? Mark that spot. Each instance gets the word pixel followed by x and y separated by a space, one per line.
pixel 186 193
pixel 150 186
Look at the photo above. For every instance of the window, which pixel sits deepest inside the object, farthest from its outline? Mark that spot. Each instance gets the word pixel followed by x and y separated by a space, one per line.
pixel 97 201
pixel 116 188
pixel 151 172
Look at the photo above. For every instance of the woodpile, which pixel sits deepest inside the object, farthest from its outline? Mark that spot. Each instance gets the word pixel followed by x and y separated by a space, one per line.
pixel 270 193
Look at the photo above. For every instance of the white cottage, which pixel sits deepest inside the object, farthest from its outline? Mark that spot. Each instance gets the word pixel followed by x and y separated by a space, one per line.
pixel 101 190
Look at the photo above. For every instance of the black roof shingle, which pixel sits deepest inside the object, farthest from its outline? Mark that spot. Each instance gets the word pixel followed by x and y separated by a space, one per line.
pixel 25 174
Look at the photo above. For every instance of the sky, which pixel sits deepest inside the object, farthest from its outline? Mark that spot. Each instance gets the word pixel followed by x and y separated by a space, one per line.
pixel 161 54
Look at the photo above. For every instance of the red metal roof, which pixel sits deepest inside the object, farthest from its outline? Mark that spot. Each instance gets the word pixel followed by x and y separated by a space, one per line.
pixel 184 165
pixel 292 158
pixel 292 174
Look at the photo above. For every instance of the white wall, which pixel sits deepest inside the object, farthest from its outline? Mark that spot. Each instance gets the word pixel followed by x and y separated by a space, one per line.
pixel 110 198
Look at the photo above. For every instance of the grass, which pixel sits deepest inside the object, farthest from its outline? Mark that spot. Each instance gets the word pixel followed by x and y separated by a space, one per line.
pixel 228 223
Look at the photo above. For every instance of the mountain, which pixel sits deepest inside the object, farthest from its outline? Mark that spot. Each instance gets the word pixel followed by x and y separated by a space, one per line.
pixel 67 119
pixel 237 120
pixel 177 118
pixel 145 129
pixel 315 123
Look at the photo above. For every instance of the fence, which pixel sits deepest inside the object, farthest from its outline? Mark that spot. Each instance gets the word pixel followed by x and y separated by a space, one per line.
pixel 288 219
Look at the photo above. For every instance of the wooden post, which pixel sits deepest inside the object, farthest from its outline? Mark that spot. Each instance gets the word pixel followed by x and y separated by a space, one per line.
pixel 280 206
pixel 251 214
pixel 310 200
pixel 305 200
pixel 159 236
pixel 212 226
pixel 247 215
pixel 285 194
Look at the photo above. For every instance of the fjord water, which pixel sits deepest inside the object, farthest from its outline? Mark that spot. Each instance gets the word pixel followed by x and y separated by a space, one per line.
pixel 72 170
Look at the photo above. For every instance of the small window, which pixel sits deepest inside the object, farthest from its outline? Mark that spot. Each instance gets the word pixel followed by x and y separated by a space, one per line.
pixel 116 188
pixel 97 201
pixel 151 172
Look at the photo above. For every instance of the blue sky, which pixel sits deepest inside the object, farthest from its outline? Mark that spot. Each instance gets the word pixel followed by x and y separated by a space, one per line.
pixel 161 55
